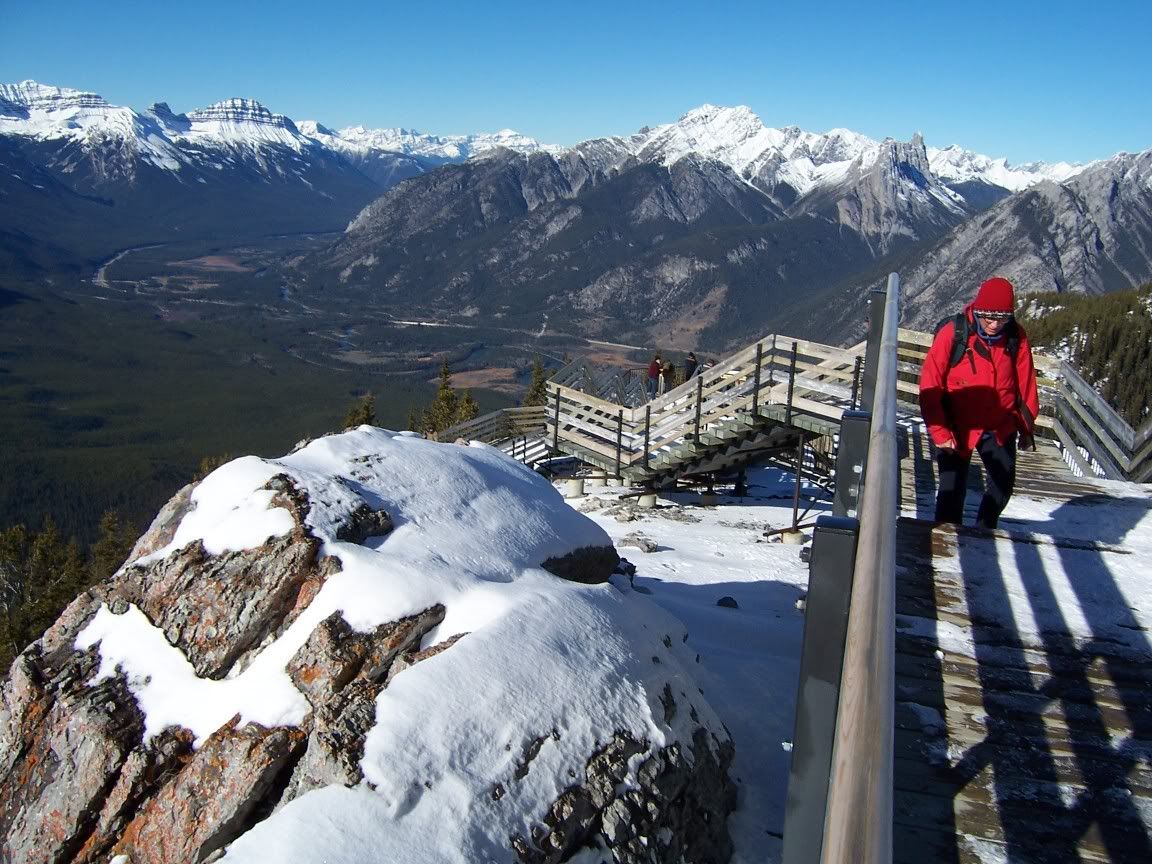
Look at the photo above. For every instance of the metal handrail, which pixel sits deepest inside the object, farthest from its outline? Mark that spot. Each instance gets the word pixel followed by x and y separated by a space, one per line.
pixel 858 822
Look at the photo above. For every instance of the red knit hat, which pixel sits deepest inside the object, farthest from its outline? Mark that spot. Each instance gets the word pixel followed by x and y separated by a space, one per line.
pixel 995 295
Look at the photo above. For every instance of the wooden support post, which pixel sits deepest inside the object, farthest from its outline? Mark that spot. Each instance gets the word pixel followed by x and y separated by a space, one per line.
pixel 756 379
pixel 791 385
pixel 556 422
pixel 772 365
pixel 699 399
pixel 647 430
pixel 619 438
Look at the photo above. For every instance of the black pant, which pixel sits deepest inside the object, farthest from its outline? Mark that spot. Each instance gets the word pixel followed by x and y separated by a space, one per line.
pixel 999 474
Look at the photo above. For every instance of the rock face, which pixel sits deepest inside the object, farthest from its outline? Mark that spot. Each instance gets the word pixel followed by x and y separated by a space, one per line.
pixel 676 813
pixel 1090 234
pixel 92 774
pixel 90 786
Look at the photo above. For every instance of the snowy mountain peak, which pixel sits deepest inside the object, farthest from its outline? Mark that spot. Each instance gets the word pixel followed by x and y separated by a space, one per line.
pixel 28 96
pixel 956 165
pixel 236 111
pixel 453 148
pixel 313 129
pixel 44 112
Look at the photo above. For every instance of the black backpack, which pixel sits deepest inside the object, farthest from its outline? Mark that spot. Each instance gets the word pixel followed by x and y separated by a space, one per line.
pixel 962 330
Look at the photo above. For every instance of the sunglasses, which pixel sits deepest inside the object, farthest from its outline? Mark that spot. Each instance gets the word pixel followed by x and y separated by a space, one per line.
pixel 993 316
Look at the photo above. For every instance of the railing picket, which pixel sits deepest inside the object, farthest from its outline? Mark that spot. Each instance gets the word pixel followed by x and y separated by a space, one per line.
pixel 647 431
pixel 619 438
pixel 791 386
pixel 699 398
pixel 756 379
pixel 556 421
pixel 772 365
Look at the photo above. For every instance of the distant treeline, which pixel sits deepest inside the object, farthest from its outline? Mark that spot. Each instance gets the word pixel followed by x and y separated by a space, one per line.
pixel 42 571
pixel 1107 338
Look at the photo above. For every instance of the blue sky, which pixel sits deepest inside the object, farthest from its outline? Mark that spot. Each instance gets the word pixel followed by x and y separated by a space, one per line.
pixel 1044 81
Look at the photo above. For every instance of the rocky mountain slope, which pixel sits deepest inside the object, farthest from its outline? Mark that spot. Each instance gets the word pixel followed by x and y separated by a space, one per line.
pixel 375 643
pixel 697 233
pixel 1090 234
pixel 634 247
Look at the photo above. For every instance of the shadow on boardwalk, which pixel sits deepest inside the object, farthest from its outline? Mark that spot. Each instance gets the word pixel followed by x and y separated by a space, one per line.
pixel 1038 751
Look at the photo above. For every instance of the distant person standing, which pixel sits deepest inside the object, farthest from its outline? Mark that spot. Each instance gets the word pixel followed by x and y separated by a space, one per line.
pixel 690 364
pixel 978 394
pixel 666 373
pixel 653 376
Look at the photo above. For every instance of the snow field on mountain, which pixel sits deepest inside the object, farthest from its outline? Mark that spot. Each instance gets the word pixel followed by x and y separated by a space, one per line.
pixel 734 136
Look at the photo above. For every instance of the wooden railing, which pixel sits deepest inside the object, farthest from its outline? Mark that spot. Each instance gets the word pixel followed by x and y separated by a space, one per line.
pixel 499 425
pixel 805 377
pixel 818 380
pixel 1096 439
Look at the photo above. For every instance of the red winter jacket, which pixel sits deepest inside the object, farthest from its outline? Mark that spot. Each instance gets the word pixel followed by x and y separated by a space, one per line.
pixel 985 391
pixel 654 369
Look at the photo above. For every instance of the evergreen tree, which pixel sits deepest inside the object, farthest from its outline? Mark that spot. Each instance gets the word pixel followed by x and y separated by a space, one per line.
pixel 1107 339
pixel 361 412
pixel 209 464
pixel 442 412
pixel 447 409
pixel 466 408
pixel 537 388
pixel 111 548
pixel 41 575
pixel 14 545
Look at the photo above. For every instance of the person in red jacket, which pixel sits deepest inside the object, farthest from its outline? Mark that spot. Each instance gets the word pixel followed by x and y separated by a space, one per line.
pixel 654 375
pixel 981 400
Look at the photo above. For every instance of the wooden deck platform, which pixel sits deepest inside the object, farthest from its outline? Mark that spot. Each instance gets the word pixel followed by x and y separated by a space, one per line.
pixel 1022 736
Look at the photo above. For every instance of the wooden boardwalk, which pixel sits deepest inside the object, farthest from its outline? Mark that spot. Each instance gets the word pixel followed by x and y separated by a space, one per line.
pixel 1023 733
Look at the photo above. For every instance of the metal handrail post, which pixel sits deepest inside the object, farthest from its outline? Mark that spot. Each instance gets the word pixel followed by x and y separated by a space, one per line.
pixel 821 664
pixel 876 301
pixel 851 462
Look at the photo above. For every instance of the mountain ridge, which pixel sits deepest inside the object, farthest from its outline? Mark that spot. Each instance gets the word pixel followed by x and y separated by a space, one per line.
pixel 733 135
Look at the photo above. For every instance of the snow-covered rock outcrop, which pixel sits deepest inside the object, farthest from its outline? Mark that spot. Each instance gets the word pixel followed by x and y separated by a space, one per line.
pixel 377 648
